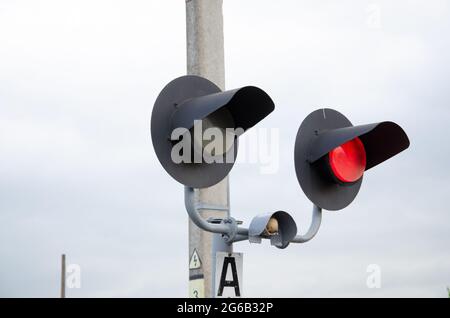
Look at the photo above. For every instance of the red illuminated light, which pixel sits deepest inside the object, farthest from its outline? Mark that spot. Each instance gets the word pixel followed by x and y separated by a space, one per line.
pixel 348 161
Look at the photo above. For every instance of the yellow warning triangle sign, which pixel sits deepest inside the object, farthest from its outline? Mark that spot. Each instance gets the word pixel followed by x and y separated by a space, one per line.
pixel 195 262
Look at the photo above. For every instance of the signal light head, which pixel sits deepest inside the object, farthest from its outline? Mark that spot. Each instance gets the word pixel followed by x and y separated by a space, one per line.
pixel 189 100
pixel 278 227
pixel 331 155
pixel 348 161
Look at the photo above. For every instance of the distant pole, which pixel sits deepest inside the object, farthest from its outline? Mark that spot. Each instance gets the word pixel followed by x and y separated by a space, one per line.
pixel 205 57
pixel 63 276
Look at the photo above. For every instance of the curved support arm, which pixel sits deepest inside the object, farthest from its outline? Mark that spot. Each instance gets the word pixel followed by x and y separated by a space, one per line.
pixel 192 207
pixel 230 229
pixel 313 228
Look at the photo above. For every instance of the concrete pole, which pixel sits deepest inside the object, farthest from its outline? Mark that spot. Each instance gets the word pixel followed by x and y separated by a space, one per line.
pixel 63 276
pixel 205 57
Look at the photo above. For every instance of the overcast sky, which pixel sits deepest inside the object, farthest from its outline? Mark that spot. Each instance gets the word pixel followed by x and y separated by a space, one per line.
pixel 78 174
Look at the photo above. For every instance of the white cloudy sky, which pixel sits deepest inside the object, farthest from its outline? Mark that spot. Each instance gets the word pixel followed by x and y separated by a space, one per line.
pixel 78 173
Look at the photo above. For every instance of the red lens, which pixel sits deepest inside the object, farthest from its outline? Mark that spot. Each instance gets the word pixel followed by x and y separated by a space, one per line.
pixel 348 161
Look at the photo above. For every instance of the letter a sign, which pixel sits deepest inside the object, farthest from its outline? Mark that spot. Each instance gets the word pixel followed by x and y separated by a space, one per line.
pixel 228 283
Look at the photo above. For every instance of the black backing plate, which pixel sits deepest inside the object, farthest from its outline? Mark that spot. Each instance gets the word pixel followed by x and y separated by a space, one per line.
pixel 322 192
pixel 196 175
